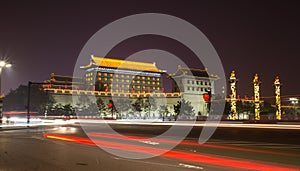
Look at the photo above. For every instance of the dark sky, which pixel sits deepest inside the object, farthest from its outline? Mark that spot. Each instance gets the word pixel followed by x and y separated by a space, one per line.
pixel 40 37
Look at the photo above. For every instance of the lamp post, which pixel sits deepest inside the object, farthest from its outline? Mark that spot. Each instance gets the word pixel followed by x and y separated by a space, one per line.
pixel 3 64
pixel 28 98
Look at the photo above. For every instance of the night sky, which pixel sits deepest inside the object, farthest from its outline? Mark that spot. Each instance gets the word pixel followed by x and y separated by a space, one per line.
pixel 249 36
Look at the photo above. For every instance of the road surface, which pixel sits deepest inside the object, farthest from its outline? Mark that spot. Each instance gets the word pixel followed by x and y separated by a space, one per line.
pixel 67 147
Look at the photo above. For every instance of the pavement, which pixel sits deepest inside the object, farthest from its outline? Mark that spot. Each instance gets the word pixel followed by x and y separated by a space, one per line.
pixel 29 149
pixel 67 147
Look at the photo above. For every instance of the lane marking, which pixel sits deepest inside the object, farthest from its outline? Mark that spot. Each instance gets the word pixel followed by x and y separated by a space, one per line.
pixel 150 142
pixel 190 166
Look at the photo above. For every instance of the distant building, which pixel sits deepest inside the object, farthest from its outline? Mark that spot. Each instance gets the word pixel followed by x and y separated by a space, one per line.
pixel 193 83
pixel 64 82
pixel 114 75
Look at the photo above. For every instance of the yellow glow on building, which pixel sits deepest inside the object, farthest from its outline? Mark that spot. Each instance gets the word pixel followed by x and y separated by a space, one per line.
pixel 122 64
pixel 114 71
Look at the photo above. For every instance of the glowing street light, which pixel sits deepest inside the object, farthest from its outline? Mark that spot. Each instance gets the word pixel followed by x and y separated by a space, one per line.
pixel 8 65
pixel 3 64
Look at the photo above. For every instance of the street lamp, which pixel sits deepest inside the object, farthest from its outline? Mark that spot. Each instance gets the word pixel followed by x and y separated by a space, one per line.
pixel 3 64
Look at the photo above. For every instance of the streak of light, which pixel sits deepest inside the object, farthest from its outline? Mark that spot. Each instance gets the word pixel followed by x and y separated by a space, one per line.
pixel 191 123
pixel 63 128
pixel 23 123
pixel 159 140
pixel 201 158
pixel 18 112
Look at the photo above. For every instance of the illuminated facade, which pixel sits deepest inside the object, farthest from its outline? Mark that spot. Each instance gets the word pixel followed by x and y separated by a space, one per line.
pixel 114 75
pixel 193 83
pixel 107 78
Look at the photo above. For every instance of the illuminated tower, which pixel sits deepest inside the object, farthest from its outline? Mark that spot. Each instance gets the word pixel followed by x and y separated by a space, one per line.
pixel 232 81
pixel 277 96
pixel 256 84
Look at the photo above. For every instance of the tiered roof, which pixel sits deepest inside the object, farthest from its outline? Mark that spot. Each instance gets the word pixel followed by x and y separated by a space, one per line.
pixel 59 79
pixel 181 71
pixel 121 64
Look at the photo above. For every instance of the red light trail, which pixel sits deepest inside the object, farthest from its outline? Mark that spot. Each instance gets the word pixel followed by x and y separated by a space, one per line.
pixel 18 113
pixel 134 138
pixel 201 158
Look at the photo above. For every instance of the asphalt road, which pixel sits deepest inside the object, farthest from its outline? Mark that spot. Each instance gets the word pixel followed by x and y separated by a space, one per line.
pixel 68 148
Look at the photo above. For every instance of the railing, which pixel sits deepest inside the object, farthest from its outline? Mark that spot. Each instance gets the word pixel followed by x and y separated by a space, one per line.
pixel 105 93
